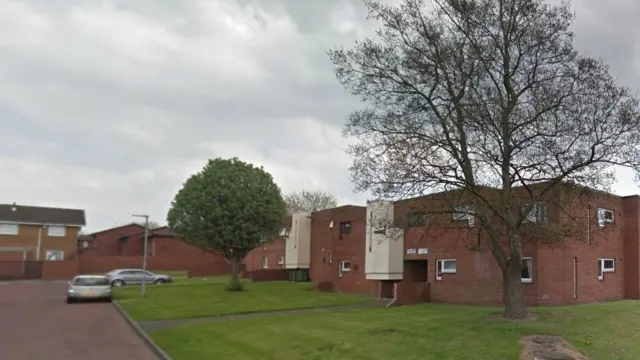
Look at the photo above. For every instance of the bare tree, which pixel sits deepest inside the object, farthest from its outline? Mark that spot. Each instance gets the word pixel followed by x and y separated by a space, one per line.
pixel 488 100
pixel 310 201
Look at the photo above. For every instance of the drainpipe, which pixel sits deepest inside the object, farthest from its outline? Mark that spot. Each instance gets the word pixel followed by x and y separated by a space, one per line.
pixel 39 242
pixel 575 277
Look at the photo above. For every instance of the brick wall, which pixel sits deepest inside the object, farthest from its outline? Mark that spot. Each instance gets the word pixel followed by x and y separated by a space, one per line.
pixel 329 247
pixel 414 292
pixel 108 242
pixel 272 251
pixel 209 268
pixel 59 270
pixel 269 275
pixel 100 264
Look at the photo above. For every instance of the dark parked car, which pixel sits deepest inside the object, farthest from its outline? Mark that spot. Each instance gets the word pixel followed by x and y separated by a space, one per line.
pixel 120 277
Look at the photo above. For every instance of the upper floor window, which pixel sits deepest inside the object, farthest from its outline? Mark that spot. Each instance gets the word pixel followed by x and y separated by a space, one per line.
pixel 9 229
pixel 57 231
pixel 605 216
pixel 464 212
pixel 345 227
pixel 415 218
pixel 537 213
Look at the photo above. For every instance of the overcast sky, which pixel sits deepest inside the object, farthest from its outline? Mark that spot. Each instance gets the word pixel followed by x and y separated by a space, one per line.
pixel 109 106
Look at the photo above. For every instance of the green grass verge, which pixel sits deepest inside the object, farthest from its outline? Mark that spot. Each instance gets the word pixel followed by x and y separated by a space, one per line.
pixel 432 331
pixel 191 298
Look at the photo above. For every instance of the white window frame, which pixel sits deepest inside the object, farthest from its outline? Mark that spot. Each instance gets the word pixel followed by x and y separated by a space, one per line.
pixel 462 213
pixel 48 254
pixel 265 262
pixel 330 258
pixel 530 278
pixel 440 268
pixel 602 269
pixel 539 212
pixel 281 260
pixel 344 268
pixel 62 233
pixel 602 219
pixel 9 229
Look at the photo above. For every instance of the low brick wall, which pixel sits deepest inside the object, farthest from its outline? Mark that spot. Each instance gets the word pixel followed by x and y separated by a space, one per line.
pixel 202 269
pixel 59 270
pixel 406 293
pixel 269 275
pixel 90 264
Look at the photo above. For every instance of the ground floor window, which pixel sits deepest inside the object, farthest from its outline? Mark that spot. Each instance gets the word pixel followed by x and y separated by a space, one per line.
pixel 445 266
pixel 54 255
pixel 527 270
pixel 265 262
pixel 605 266
pixel 345 265
pixel 280 260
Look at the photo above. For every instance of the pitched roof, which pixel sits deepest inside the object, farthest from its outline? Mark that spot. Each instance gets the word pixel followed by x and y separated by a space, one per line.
pixel 118 227
pixel 41 215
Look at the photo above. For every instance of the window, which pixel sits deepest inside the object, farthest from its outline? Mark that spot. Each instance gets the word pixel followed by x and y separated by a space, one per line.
pixel 329 258
pixel 605 266
pixel 91 281
pixel 380 231
pixel 265 262
pixel 55 255
pixel 464 212
pixel 345 266
pixel 526 275
pixel 280 260
pixel 57 231
pixel 415 218
pixel 445 266
pixel 9 229
pixel 284 232
pixel 345 227
pixel 538 212
pixel 605 216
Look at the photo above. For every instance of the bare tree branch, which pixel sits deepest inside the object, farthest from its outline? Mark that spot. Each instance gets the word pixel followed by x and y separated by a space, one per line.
pixel 489 102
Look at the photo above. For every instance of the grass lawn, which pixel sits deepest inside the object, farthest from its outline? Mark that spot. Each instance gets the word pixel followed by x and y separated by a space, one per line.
pixel 190 298
pixel 432 331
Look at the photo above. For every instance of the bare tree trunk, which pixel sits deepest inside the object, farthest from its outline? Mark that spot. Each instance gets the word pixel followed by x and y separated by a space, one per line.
pixel 234 282
pixel 513 296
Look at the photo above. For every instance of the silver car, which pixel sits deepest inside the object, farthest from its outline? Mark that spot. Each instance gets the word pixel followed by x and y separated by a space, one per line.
pixel 120 277
pixel 89 287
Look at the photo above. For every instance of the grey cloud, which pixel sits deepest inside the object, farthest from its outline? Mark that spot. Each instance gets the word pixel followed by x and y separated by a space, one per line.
pixel 115 103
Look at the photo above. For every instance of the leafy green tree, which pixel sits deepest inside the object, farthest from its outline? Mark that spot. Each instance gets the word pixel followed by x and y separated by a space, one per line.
pixel 229 207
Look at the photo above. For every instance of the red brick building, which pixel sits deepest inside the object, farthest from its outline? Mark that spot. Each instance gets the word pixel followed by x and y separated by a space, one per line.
pixel 338 249
pixel 128 240
pixel 270 255
pixel 112 241
pixel 597 261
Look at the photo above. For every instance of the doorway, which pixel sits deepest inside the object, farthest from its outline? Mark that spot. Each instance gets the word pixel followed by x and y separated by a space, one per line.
pixel 416 270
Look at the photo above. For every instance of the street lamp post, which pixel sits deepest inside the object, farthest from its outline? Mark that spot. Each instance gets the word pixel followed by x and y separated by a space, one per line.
pixel 144 255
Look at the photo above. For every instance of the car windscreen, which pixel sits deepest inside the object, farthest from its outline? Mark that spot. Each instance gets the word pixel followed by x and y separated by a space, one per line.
pixel 91 281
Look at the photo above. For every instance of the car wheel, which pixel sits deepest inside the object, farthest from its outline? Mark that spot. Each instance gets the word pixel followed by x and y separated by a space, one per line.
pixel 109 299
pixel 117 283
pixel 160 281
pixel 69 300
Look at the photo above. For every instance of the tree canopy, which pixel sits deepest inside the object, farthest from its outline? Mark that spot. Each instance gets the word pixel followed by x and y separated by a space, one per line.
pixel 470 95
pixel 310 201
pixel 229 207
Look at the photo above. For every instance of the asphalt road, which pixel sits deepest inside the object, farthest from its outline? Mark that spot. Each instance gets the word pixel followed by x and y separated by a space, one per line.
pixel 37 324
